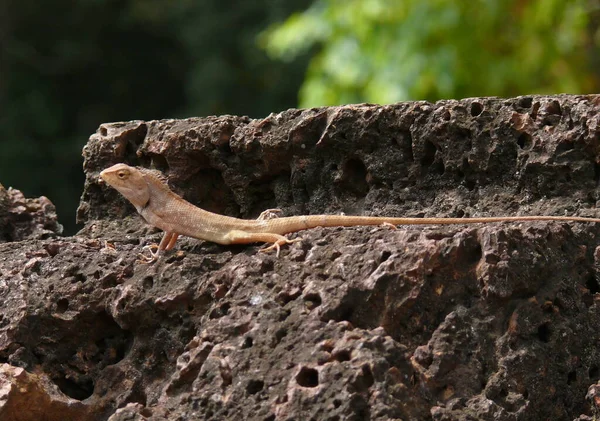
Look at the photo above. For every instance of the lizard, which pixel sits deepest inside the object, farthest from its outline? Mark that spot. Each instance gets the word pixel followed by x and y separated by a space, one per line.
pixel 160 207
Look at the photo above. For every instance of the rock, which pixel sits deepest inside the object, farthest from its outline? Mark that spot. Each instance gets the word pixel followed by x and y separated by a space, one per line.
pixel 26 219
pixel 25 396
pixel 464 322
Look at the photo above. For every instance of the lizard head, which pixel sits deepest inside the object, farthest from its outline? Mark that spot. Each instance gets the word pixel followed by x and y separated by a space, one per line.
pixel 128 181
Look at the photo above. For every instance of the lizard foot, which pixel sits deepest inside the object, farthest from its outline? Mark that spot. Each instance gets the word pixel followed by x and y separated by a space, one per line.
pixel 268 214
pixel 389 225
pixel 153 255
pixel 277 245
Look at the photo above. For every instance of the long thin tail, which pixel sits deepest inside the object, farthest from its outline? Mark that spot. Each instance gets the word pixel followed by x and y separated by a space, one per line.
pixel 299 223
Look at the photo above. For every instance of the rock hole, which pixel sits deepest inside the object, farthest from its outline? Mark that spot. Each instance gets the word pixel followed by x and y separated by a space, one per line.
pixel 146 412
pixel 220 311
pixel 544 332
pixel 429 151
pixel 148 282
pixel 307 377
pixel 476 109
pixel 79 277
pixel 225 148
pixel 62 305
pixel 525 102
pixel 109 281
pixel 254 386
pixel 470 184
pixel 572 377
pixel 365 379
pixel 438 167
pixel 346 314
pixel 597 172
pixel 337 403
pixel 474 254
pixel 554 108
pixel 564 147
pixel 139 396
pixel 139 134
pixel 312 300
pixel 160 163
pixel 593 373
pixel 248 342
pixel 592 284
pixel 219 197
pixel 342 355
pixel 525 141
pixel 385 255
pixel 271 417
pixel 354 175
pixel 103 131
pixel 535 110
pixel 79 390
pixel 280 334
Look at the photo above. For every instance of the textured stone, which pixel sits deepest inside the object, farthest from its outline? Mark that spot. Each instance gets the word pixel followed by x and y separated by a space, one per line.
pixel 26 219
pixel 25 397
pixel 474 322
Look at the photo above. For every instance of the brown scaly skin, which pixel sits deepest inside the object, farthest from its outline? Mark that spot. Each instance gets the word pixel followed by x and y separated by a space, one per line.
pixel 162 208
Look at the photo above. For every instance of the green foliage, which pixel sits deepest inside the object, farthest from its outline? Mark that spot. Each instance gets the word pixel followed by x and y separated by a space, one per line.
pixel 385 51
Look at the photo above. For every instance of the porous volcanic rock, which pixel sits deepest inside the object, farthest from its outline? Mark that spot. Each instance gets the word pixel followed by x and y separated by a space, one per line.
pixel 23 218
pixel 464 322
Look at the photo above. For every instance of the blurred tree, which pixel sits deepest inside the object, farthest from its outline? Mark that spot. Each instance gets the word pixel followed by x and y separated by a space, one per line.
pixel 66 67
pixel 385 51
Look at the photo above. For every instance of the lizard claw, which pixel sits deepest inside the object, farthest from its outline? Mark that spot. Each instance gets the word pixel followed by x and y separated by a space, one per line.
pixel 389 225
pixel 268 214
pixel 150 247
pixel 153 257
pixel 277 245
pixel 274 246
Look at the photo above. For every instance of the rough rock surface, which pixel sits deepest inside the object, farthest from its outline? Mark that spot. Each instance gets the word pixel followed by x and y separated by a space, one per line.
pixel 466 322
pixel 26 219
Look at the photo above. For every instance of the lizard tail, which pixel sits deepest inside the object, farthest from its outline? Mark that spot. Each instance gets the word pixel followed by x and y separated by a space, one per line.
pixel 299 223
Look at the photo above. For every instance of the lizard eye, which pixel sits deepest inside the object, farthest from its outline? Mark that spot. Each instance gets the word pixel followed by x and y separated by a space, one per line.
pixel 121 174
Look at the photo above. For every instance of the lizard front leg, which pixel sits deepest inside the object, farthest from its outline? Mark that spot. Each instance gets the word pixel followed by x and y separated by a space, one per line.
pixel 244 237
pixel 167 243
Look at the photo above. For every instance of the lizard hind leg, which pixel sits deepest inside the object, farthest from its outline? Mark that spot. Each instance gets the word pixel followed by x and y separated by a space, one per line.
pixel 244 237
pixel 268 214
pixel 277 245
